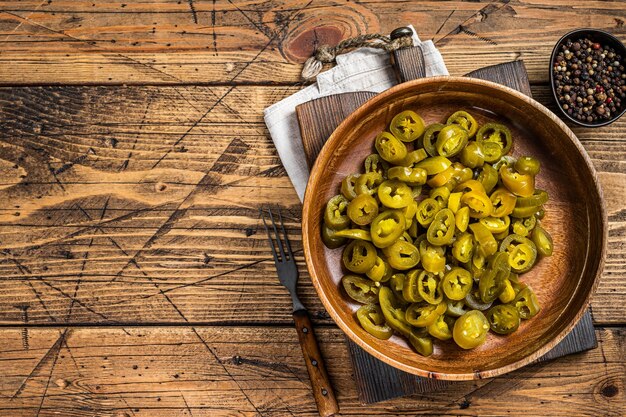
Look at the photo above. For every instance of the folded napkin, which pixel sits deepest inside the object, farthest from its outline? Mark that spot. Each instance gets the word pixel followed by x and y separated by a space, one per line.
pixel 365 69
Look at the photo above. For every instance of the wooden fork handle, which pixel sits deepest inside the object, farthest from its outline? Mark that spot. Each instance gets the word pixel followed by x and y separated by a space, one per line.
pixel 322 390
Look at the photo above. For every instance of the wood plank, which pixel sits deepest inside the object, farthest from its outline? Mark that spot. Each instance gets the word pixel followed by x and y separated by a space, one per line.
pixel 215 371
pixel 184 234
pixel 254 41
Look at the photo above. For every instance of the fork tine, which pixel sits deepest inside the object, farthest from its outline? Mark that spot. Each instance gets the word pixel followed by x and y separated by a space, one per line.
pixel 269 236
pixel 280 243
pixel 282 226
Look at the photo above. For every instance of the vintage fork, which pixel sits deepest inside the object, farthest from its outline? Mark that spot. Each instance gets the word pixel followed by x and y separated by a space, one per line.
pixel 288 276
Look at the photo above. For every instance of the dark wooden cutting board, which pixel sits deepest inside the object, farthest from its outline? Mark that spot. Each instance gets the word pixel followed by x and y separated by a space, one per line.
pixel 375 380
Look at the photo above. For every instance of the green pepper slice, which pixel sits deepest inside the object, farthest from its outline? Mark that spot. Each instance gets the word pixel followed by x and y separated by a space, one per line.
pixel 359 256
pixel 479 204
pixel 487 244
pixel 521 251
pixel 358 234
pixel 495 133
pixel 374 163
pixel 381 271
pixel 492 281
pixel 521 212
pixel 503 319
pixel 465 120
pixel 526 303
pixel 410 176
pixel 402 255
pixel 525 226
pixel 390 148
pixel 335 215
pixel 451 140
pixel 440 329
pixel 543 241
pixel 456 308
pixel 330 238
pixel 457 283
pixel 462 218
pixel 348 186
pixel 470 330
pixel 492 152
pixel 363 209
pixel 360 289
pixel 508 293
pixel 528 165
pixel 496 224
pixel 442 228
pixel 538 198
pixel 395 194
pixel 443 178
pixel 433 257
pixel 387 227
pixel 488 177
pixel 410 290
pixel 430 137
pixel 441 195
pixel 472 155
pixel 434 165
pixel 414 157
pixel 426 211
pixel 394 311
pixel 368 183
pixel 522 185
pixel 423 315
pixel 396 283
pixel 473 301
pixel 373 321
pixel 422 344
pixel 429 287
pixel 407 126
pixel 503 202
pixel 463 248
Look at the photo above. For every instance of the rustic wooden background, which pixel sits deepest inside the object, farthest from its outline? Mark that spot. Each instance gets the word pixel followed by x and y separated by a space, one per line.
pixel 134 278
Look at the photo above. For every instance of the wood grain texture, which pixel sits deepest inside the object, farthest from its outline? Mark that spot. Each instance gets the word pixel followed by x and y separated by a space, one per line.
pixel 220 371
pixel 62 237
pixel 236 41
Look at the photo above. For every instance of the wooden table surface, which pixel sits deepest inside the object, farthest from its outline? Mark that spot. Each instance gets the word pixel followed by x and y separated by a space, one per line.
pixel 135 279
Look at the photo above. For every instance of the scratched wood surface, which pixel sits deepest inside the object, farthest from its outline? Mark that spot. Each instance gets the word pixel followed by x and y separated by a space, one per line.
pixel 134 278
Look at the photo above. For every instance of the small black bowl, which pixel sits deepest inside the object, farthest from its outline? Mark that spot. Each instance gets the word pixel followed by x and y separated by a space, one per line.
pixel 604 39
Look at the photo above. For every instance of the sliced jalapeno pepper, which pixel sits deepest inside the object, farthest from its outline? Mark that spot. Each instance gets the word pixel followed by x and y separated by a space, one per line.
pixel 463 248
pixel 503 202
pixel 465 120
pixel 525 226
pixel 335 215
pixel 410 176
pixel 443 178
pixel 430 137
pixel 360 289
pixel 441 195
pixel 381 271
pixel 359 256
pixel 451 140
pixel 522 185
pixel 473 301
pixel 528 165
pixel 520 212
pixel 503 318
pixel 496 224
pixel 407 126
pixel 462 218
pixel 472 155
pixel 508 293
pixel 410 290
pixel 368 183
pixel 433 257
pixel 492 281
pixel 486 242
pixel 426 211
pixel 456 308
pixel 526 303
pixel 543 241
pixel 414 157
pixel 454 202
pixel 495 133
pixel 470 330
pixel 396 283
pixel 538 198
pixel 387 227
pixel 423 315
pixel 488 177
pixel 395 194
pixel 429 287
pixel 434 165
pixel 440 329
pixel 457 283
pixel 348 186
pixel 390 148
pixel 441 230
pixel 330 238
pixel 363 209
pixel 374 163
pixel 479 204
pixel 394 311
pixel 358 234
pixel 373 321
pixel 402 255
pixel 421 343
pixel 521 251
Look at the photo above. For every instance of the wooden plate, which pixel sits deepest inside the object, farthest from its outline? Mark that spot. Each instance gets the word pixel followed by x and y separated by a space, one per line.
pixel 575 216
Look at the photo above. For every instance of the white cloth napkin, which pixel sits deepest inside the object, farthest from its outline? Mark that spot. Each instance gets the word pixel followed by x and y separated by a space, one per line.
pixel 365 69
